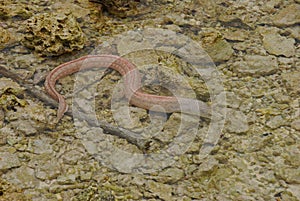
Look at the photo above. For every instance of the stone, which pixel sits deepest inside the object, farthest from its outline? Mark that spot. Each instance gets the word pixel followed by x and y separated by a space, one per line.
pixel 8 161
pixel 16 10
pixel 278 45
pixel 171 175
pixel 120 8
pixel 256 65
pixel 46 166
pixel 276 122
pixel 208 165
pixel 289 175
pixel 295 32
pixel 53 34
pixel 292 81
pixel 163 191
pixel 296 124
pixel 236 35
pixel 23 177
pixel 72 157
pixel 5 38
pixel 287 16
pixel 215 45
pixel 236 122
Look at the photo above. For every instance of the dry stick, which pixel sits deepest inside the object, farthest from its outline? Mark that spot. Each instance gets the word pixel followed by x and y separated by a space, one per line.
pixel 130 136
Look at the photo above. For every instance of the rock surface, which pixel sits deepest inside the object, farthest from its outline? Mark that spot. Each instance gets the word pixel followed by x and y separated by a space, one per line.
pixel 279 45
pixel 257 65
pixel 53 34
pixel 288 16
pixel 255 49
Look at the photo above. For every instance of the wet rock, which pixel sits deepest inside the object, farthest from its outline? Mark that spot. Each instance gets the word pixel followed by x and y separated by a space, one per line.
pixel 256 65
pixel 237 122
pixel 287 16
pixel 53 34
pixel 292 81
pixel 8 161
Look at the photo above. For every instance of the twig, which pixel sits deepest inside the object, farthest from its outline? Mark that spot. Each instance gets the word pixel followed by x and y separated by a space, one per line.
pixel 130 136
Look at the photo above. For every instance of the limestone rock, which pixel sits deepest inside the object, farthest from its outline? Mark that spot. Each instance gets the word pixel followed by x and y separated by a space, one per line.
pixel 287 16
pixel 292 81
pixel 53 34
pixel 279 45
pixel 8 161
pixel 276 122
pixel 296 124
pixel 237 122
pixel 217 48
pixel 256 65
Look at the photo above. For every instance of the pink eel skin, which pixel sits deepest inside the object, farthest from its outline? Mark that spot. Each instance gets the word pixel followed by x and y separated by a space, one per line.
pixel 132 82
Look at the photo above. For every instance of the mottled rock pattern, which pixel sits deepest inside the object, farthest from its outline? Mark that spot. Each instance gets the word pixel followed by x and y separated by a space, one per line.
pixel 163 191
pixel 279 45
pixel 10 9
pixel 8 161
pixel 121 8
pixel 292 81
pixel 23 177
pixel 276 122
pixel 296 124
pixel 256 65
pixel 216 46
pixel 60 163
pixel 287 16
pixel 237 122
pixel 53 34
pixel 5 38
